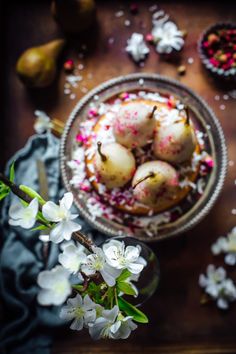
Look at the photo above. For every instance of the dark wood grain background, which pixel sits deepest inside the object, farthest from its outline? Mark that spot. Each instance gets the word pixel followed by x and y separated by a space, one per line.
pixel 178 322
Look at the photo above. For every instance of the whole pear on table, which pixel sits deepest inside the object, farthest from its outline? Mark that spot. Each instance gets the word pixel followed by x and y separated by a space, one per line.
pixel 37 66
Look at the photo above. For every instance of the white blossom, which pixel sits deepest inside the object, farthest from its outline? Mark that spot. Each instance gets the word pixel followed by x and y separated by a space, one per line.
pixel 124 327
pixel 104 326
pixel 81 311
pixel 55 286
pixel 121 257
pixel 61 215
pixel 111 324
pixel 136 47
pixel 42 122
pixel 72 257
pixel 96 262
pixel 167 37
pixel 218 286
pixel 24 216
pixel 226 245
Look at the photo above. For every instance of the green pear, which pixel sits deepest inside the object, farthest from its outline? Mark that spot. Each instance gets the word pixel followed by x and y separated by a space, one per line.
pixel 114 164
pixel 176 142
pixel 37 66
pixel 134 124
pixel 155 182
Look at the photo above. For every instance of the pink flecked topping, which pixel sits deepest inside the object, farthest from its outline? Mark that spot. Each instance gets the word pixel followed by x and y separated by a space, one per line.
pixel 209 162
pixel 82 138
pixel 124 95
pixel 93 113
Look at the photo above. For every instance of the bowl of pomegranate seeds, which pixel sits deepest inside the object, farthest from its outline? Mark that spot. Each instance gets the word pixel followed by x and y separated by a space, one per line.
pixel 217 49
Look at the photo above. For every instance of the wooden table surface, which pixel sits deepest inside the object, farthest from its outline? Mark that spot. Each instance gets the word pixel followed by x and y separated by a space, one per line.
pixel 178 323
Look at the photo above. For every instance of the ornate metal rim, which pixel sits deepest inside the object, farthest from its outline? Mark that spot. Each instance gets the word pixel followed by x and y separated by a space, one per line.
pixel 136 76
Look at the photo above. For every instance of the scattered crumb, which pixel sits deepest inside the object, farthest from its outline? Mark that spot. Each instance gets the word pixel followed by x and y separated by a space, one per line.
pixel 153 8
pixel 190 60
pixel 222 107
pixel 233 211
pixel 181 70
pixel 231 163
pixel 217 98
pixel 127 23
pixel 119 14
pixel 111 40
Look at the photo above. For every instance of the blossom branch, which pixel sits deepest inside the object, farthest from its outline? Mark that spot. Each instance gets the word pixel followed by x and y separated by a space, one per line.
pixel 77 236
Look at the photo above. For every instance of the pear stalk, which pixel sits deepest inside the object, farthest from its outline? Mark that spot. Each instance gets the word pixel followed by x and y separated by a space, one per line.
pixel 103 157
pixel 187 121
pixel 153 111
pixel 150 175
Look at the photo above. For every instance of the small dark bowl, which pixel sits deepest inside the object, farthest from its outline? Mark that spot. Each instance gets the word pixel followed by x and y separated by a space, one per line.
pixel 218 73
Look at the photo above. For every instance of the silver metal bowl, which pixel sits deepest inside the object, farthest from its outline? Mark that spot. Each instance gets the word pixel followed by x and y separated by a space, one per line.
pixel 204 117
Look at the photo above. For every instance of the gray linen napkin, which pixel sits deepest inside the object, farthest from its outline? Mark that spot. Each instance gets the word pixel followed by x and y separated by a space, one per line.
pixel 27 327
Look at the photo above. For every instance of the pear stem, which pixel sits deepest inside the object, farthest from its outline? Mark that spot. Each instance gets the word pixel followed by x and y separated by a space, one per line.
pixel 150 175
pixel 103 157
pixel 187 115
pixel 152 112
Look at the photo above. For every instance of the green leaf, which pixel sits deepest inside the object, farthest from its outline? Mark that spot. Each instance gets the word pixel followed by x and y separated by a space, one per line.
pixel 32 194
pixel 124 275
pixel 126 288
pixel 40 227
pixel 77 287
pixel 12 172
pixel 131 310
pixel 4 190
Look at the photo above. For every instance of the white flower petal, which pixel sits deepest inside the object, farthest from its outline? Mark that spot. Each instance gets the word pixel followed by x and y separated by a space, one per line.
pixel 135 268
pixel 132 253
pixel 55 286
pixel 230 259
pixel 77 324
pixel 96 329
pixel 67 313
pixel 111 314
pixel 75 301
pixel 222 304
pixel 44 238
pixel 24 216
pixel 110 274
pixel 44 297
pixel 67 200
pixel 51 212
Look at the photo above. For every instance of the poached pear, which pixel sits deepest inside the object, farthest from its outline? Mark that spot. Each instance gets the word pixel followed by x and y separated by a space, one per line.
pixel 114 164
pixel 175 142
pixel 37 66
pixel 155 181
pixel 134 124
